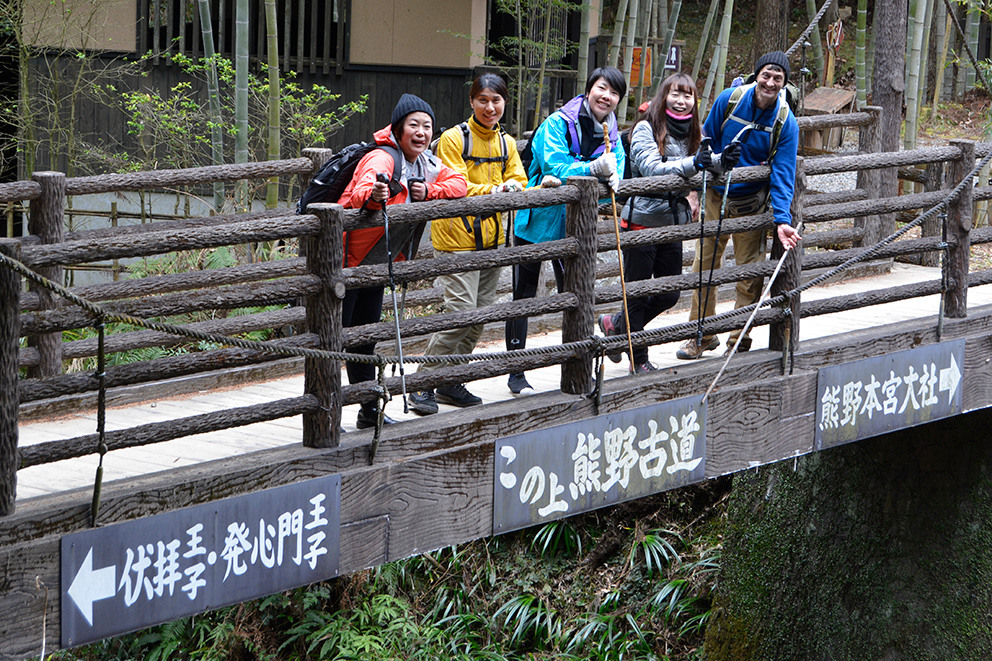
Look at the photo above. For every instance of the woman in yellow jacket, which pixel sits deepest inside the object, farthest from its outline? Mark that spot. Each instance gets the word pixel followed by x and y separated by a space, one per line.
pixel 488 158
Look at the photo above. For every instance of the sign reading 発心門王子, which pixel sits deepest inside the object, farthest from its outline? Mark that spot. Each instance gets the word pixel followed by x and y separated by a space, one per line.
pixel 898 390
pixel 132 575
pixel 580 466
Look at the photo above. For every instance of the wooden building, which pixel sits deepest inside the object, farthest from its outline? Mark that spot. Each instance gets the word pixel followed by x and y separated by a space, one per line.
pixel 379 48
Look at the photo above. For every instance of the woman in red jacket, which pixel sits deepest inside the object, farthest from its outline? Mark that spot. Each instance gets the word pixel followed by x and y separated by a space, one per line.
pixel 423 177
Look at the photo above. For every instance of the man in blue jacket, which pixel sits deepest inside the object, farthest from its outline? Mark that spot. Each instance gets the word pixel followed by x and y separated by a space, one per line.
pixel 749 126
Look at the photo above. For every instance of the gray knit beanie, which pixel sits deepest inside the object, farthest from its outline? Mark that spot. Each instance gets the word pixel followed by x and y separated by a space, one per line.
pixel 407 104
pixel 776 57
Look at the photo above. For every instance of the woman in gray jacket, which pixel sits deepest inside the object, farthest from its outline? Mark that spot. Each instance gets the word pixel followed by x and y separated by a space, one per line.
pixel 666 141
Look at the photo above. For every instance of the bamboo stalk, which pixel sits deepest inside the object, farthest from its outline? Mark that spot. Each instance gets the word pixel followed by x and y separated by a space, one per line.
pixel 614 58
pixel 861 82
pixel 704 39
pixel 628 57
pixel 816 40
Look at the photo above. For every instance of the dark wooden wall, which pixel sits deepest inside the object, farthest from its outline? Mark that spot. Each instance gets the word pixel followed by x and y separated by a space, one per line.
pixel 106 126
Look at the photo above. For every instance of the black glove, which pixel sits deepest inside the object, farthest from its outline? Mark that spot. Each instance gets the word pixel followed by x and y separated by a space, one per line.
pixel 730 156
pixel 704 158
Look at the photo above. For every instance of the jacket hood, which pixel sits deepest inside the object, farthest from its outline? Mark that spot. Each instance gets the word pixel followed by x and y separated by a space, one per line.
pixel 384 136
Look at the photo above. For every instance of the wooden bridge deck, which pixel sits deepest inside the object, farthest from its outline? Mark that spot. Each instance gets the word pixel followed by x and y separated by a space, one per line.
pixel 79 473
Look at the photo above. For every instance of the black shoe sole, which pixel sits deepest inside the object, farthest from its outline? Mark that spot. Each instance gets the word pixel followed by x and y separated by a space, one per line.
pixel 443 399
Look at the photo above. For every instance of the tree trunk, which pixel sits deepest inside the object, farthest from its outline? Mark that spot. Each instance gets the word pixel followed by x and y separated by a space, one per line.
pixel 888 85
pixel 874 550
pixel 773 17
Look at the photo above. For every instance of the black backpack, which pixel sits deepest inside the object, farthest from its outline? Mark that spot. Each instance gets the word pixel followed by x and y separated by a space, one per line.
pixel 333 177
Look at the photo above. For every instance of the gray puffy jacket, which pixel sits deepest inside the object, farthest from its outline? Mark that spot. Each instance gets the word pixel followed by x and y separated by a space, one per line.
pixel 647 161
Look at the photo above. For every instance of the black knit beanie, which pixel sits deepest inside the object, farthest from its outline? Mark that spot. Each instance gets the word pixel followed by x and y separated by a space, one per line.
pixel 407 104
pixel 776 57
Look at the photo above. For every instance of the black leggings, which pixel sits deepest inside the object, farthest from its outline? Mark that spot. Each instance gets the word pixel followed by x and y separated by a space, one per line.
pixel 525 277
pixel 642 263
pixel 360 307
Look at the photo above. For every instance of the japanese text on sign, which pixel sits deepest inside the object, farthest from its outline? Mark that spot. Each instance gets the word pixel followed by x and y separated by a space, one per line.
pixel 583 465
pixel 876 395
pixel 167 566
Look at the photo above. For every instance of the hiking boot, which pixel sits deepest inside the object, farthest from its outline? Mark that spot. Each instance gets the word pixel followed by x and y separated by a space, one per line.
pixel 691 351
pixel 457 395
pixel 517 383
pixel 367 417
pixel 609 328
pixel 422 402
pixel 744 346
pixel 646 366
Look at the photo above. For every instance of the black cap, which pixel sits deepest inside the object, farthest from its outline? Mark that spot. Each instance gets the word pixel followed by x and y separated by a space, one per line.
pixel 407 104
pixel 776 57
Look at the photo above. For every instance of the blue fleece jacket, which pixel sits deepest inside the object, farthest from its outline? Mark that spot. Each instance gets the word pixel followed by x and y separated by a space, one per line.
pixel 550 147
pixel 755 146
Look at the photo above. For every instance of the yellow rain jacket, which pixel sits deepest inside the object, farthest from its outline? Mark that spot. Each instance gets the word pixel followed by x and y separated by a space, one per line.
pixel 493 168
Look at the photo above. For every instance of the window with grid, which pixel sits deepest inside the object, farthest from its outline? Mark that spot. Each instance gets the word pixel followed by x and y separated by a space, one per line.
pixel 311 32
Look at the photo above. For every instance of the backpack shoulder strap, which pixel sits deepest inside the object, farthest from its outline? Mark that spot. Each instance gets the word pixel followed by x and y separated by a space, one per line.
pixel 397 160
pixel 781 117
pixel 733 102
pixel 505 153
pixel 466 141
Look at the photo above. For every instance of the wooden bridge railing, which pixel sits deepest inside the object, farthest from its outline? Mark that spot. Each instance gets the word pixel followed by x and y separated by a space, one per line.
pixel 319 282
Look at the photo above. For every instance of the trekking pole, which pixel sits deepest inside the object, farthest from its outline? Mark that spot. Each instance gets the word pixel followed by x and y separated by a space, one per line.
pixel 392 286
pixel 704 144
pixel 616 229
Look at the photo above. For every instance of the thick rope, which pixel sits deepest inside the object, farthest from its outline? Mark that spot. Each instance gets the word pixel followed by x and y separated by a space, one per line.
pixel 571 348
pixel 810 28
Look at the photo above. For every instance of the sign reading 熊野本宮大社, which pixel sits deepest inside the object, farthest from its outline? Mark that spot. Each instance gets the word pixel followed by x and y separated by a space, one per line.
pixel 877 395
pixel 135 574
pixel 560 471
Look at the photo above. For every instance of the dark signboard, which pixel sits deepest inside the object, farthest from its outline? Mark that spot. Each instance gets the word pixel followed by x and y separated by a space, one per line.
pixel 161 568
pixel 580 466
pixel 881 394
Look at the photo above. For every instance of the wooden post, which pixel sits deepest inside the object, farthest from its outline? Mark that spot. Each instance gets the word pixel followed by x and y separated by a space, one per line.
pixel 959 232
pixel 870 141
pixel 10 321
pixel 933 181
pixel 322 377
pixel 580 279
pixel 782 334
pixel 46 222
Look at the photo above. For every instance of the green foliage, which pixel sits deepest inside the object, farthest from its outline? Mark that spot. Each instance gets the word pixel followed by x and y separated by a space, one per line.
pixel 532 595
pixel 172 128
pixel 655 548
pixel 557 538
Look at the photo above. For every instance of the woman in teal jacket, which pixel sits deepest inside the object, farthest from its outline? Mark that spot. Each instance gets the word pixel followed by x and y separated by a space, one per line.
pixel 569 143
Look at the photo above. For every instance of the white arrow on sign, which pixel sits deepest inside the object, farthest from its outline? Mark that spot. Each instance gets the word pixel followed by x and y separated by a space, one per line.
pixel 89 586
pixel 950 378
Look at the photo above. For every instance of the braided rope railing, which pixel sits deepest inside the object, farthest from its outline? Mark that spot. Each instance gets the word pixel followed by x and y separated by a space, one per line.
pixel 809 28
pixel 591 344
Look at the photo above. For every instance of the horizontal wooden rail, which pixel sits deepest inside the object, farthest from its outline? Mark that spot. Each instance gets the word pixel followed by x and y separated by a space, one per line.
pixel 156 243
pixel 176 282
pixel 528 307
pixel 231 297
pixel 145 339
pixel 421 269
pixel 165 179
pixel 155 370
pixel 868 207
pixel 18 191
pixel 158 432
